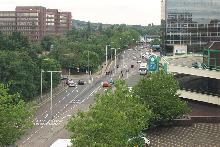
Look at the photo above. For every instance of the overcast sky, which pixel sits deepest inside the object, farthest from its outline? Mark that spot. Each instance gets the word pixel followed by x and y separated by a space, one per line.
pixel 104 11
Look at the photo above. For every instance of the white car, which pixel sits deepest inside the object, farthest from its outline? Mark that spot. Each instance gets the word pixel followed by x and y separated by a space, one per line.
pixel 72 84
pixel 139 61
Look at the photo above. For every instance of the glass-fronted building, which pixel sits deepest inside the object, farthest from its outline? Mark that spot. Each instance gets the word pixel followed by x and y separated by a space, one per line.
pixel 190 23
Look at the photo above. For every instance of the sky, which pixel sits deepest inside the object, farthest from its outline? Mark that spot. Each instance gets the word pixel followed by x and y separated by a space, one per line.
pixel 132 12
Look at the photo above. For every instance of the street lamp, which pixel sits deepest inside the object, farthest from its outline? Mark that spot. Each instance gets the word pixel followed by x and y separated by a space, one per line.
pixel 41 81
pixel 106 54
pixel 51 92
pixel 115 57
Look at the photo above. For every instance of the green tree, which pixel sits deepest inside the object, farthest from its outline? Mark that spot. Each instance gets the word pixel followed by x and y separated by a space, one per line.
pixel 159 91
pixel 16 116
pixel 116 117
pixel 22 70
pixel 47 43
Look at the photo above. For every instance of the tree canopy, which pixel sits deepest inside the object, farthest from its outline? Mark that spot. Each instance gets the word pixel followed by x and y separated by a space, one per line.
pixel 16 116
pixel 116 117
pixel 159 92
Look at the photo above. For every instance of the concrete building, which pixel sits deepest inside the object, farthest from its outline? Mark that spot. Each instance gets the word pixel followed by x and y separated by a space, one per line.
pixel 35 21
pixel 191 24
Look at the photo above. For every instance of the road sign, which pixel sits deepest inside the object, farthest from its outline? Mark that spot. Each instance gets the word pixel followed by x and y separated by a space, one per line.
pixel 152 63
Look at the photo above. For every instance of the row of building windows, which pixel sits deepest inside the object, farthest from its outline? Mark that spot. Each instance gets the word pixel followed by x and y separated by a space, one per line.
pixel 6 14
pixel 31 14
pixel 7 19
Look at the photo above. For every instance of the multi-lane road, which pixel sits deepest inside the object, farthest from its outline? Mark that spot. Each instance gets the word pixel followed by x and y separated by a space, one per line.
pixel 50 126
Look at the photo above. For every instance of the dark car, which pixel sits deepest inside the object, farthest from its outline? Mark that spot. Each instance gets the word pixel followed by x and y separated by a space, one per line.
pixel 81 82
pixel 63 78
pixel 196 64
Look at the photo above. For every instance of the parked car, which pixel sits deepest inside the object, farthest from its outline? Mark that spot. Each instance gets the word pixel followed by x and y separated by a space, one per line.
pixel 81 82
pixel 106 84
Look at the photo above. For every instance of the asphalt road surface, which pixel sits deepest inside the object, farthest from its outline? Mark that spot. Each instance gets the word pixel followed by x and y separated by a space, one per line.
pixel 50 126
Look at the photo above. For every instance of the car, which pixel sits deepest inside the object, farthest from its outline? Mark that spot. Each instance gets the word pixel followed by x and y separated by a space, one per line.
pixel 72 84
pixel 68 81
pixel 111 81
pixel 81 82
pixel 196 64
pixel 63 78
pixel 106 84
pixel 139 61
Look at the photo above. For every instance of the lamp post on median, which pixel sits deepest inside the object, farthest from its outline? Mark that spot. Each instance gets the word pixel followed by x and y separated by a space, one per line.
pixel 51 93
pixel 115 57
pixel 41 85
pixel 106 54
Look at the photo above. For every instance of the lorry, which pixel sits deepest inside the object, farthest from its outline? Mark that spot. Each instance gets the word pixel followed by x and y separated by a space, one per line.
pixel 143 69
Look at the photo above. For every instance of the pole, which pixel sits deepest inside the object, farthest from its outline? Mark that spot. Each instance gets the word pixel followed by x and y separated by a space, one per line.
pixel 88 61
pixel 111 54
pixel 123 61
pixel 69 73
pixel 51 95
pixel 51 99
pixel 106 54
pixel 115 60
pixel 41 81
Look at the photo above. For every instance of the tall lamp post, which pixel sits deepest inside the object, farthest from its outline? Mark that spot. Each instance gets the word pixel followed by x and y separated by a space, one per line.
pixel 115 57
pixel 51 93
pixel 106 54
pixel 41 81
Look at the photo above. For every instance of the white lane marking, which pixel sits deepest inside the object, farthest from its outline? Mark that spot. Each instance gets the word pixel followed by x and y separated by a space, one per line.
pixel 46 116
pixel 63 98
pixel 78 94
pixel 90 94
pixel 36 131
pixel 44 112
pixel 68 94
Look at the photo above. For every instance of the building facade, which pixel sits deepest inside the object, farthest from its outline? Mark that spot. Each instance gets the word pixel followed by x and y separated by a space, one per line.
pixel 190 23
pixel 35 21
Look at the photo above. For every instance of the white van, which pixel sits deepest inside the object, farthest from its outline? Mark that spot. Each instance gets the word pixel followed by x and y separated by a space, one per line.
pixel 62 143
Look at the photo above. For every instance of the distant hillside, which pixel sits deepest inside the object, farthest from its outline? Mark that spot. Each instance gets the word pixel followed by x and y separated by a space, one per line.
pixel 151 29
pixel 78 24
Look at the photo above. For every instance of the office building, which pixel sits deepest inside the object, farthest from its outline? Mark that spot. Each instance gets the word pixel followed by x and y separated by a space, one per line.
pixel 189 25
pixel 35 21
